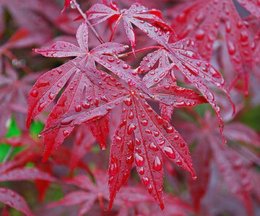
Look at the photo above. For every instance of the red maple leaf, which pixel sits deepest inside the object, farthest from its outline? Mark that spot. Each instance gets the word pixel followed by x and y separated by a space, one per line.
pixel 89 193
pixel 234 163
pixel 137 15
pixel 201 21
pixel 90 95
pixel 14 171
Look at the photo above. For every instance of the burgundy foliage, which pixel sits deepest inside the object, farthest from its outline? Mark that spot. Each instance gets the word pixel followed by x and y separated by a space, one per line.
pixel 133 77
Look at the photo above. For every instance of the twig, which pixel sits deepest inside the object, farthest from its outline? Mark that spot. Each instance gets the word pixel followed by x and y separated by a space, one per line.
pixel 77 6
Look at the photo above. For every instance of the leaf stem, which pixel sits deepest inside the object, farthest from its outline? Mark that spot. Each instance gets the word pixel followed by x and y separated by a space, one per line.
pixel 77 6
pixel 139 50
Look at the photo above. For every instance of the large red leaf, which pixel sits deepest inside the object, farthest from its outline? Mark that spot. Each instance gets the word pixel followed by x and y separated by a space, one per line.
pixel 14 200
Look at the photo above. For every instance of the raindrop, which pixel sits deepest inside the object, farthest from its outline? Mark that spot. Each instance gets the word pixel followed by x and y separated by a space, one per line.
pixel 85 105
pixel 51 96
pixel 176 137
pixel 243 36
pixel 153 147
pixel 137 141
pixel 113 169
pixel 150 188
pixel 130 159
pixel 128 101
pixel 231 48
pixel 200 34
pixel 118 138
pixel 65 133
pixel 131 115
pixel 141 171
pixel 125 66
pixel 34 93
pixel 139 160
pixel 144 122
pixel 41 106
pixel 157 164
pixel 110 59
pixel 179 162
pixel 156 133
pixel 131 128
pixel 170 129
pixel 145 181
pixel 78 108
pixel 130 145
pixel 169 152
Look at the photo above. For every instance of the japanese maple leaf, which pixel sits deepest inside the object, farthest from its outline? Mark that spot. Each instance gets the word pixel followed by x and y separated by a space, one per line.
pixel 84 139
pixel 13 96
pixel 10 172
pixel 29 16
pixel 174 206
pixel 89 193
pixel 234 166
pixel 82 82
pixel 137 15
pixel 93 94
pixel 202 20
pixel 140 136
pixel 14 200
pixel 177 55
pixel 180 56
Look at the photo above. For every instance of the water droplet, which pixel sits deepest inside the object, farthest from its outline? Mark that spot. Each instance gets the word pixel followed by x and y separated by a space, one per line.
pixel 139 160
pixel 41 106
pixel 113 169
pixel 145 181
pixel 231 48
pixel 182 144
pixel 179 162
pixel 130 159
pixel 176 137
pixel 148 131
pixel 137 141
pixel 110 59
pixel 156 133
pixel 130 145
pixel 131 128
pixel 131 115
pixel 200 34
pixel 169 152
pixel 228 26
pixel 170 129
pixel 243 36
pixel 128 101
pixel 118 138
pixel 42 84
pixel 34 93
pixel 150 188
pixel 144 122
pixel 51 96
pixel 162 142
pixel 78 108
pixel 65 133
pixel 153 147
pixel 125 66
pixel 194 177
pixel 85 105
pixel 141 171
pixel 157 164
